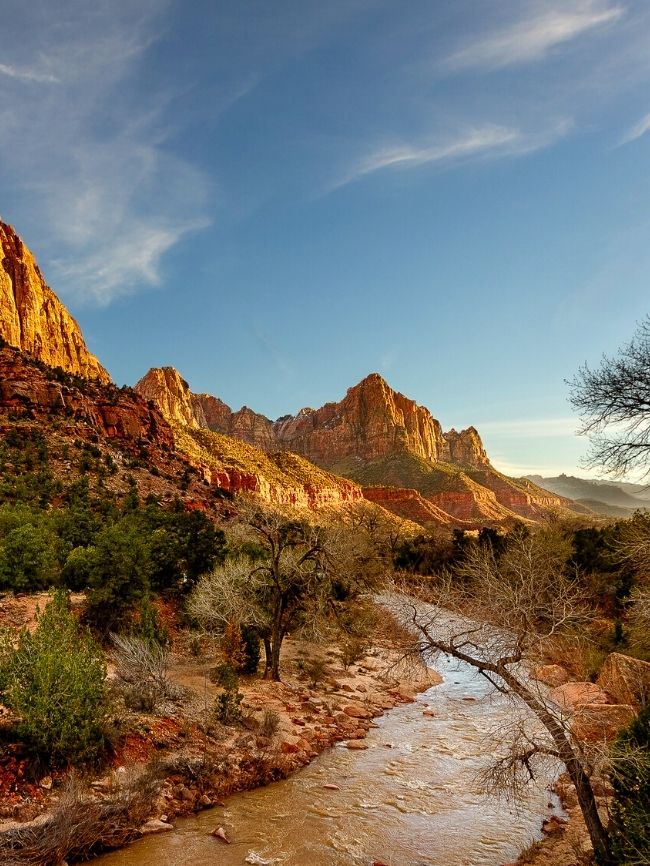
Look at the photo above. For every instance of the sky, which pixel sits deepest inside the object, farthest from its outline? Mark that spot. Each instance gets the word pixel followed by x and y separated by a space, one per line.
pixel 278 197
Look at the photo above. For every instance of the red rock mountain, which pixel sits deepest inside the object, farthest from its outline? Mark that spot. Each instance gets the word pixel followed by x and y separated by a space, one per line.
pixel 371 422
pixel 378 438
pixel 33 319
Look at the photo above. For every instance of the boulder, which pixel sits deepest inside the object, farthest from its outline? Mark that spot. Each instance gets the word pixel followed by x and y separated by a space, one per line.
pixel 356 711
pixel 569 695
pixel 551 675
pixel 626 679
pixel 155 825
pixel 220 833
pixel 356 744
pixel 594 723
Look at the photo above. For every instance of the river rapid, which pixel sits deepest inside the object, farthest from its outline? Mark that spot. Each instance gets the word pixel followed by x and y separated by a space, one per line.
pixel 411 799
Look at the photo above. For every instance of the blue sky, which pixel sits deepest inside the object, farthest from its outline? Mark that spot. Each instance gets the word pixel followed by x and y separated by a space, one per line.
pixel 280 196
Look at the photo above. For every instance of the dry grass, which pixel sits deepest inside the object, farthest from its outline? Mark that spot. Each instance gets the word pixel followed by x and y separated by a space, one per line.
pixel 82 825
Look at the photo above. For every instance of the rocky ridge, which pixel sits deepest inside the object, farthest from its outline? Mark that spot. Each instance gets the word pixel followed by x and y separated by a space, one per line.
pixel 33 319
pixel 372 421
pixel 168 459
pixel 385 442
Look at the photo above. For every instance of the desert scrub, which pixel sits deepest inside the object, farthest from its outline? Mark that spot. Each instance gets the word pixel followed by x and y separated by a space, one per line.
pixel 53 681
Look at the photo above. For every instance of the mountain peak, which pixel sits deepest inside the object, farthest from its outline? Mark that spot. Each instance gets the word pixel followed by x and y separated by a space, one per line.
pixel 373 379
pixel 33 319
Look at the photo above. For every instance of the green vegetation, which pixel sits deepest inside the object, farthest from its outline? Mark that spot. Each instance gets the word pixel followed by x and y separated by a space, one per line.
pixel 406 470
pixel 629 826
pixel 53 680
pixel 113 545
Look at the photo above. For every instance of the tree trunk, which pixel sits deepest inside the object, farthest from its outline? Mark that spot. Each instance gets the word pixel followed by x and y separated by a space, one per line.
pixel 586 800
pixel 275 660
pixel 277 634
pixel 267 657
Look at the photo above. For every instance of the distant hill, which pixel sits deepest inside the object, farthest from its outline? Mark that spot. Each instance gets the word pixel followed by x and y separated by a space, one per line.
pixel 605 497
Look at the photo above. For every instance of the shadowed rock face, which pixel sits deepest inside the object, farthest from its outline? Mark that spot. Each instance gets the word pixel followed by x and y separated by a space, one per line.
pixel 40 392
pixel 33 319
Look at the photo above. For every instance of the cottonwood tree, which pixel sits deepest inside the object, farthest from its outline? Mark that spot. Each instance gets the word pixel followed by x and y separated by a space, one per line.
pixel 614 403
pixel 296 579
pixel 497 613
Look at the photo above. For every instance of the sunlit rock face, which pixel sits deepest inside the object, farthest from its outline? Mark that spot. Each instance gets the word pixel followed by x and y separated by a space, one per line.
pixel 465 447
pixel 387 443
pixel 172 396
pixel 33 319
pixel 372 421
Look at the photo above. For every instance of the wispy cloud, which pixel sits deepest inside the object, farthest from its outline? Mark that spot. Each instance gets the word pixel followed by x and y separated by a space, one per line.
pixel 484 141
pixel 27 74
pixel 533 37
pixel 90 156
pixel 640 128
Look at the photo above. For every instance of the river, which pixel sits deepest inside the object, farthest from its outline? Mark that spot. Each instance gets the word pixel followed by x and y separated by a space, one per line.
pixel 411 799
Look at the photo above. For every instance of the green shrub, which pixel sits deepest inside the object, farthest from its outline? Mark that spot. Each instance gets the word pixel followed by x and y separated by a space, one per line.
pixel 78 568
pixel 630 811
pixel 227 707
pixel 27 560
pixel 54 682
pixel 251 641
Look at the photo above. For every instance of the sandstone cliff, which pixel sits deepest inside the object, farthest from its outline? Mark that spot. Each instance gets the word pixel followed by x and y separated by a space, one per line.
pixel 465 447
pixel 33 319
pixel 379 439
pixel 372 421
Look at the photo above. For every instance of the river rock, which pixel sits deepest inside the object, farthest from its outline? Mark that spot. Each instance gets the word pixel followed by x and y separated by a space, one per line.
pixel 220 833
pixel 155 825
pixel 356 711
pixel 626 679
pixel 551 675
pixel 356 744
pixel 553 824
pixel 593 723
pixel 569 695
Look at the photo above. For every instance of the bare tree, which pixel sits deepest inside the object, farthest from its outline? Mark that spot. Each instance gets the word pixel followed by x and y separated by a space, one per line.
pixel 614 403
pixel 145 665
pixel 497 614
pixel 295 579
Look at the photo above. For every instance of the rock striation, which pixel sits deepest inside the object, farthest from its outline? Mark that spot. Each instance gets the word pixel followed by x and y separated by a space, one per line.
pixel 372 421
pixel 394 448
pixel 33 319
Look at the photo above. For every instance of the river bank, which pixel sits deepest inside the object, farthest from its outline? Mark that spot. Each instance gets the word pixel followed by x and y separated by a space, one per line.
pixel 198 760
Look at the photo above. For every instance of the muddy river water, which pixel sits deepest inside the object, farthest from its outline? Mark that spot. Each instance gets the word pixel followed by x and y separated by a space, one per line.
pixel 411 799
